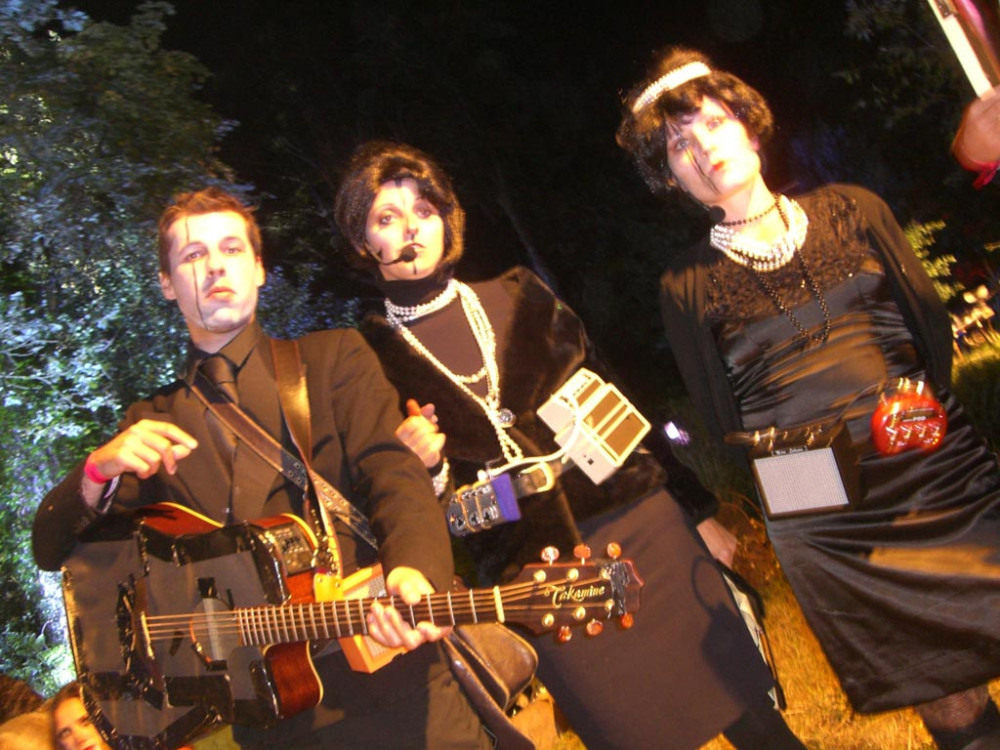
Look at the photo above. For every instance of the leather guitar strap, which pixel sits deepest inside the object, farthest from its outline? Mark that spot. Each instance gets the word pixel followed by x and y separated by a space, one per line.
pixel 269 449
pixel 294 397
pixel 265 446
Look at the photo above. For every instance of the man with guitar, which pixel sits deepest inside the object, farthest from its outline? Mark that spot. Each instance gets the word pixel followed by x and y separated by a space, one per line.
pixel 174 448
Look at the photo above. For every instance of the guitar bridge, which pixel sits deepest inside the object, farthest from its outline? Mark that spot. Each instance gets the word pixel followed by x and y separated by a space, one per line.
pixel 137 650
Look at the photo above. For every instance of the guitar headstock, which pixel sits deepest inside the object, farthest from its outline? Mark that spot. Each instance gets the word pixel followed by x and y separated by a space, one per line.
pixel 587 591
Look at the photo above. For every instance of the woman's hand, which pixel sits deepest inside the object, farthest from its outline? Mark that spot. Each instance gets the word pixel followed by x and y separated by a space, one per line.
pixel 388 627
pixel 720 542
pixel 419 432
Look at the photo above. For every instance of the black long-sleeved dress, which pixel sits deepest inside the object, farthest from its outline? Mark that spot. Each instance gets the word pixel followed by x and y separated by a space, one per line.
pixel 902 590
pixel 687 668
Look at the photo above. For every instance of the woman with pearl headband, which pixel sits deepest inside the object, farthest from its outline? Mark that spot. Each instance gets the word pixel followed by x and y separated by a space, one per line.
pixel 812 316
pixel 473 363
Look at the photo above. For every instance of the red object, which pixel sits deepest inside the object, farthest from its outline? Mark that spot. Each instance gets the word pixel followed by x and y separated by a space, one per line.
pixel 93 473
pixel 909 418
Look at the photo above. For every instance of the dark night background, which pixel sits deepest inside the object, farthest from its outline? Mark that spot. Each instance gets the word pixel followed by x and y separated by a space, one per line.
pixel 520 100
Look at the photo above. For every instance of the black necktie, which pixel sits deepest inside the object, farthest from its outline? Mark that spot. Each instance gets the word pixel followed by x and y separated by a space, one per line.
pixel 219 370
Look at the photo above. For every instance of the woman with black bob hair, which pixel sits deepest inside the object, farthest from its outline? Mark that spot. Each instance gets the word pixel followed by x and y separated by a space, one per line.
pixel 384 162
pixel 474 362
pixel 653 108
pixel 809 322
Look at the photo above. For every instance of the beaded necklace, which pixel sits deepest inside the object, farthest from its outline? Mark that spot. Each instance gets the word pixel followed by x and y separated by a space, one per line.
pixel 759 258
pixel 482 331
pixel 750 219
pixel 439 302
pixel 763 256
pixel 783 308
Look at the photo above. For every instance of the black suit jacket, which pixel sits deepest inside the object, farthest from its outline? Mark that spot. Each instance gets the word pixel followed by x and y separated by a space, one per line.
pixel 354 415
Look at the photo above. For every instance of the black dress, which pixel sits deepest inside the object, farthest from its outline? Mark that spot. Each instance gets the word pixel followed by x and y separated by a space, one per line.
pixel 687 668
pixel 903 590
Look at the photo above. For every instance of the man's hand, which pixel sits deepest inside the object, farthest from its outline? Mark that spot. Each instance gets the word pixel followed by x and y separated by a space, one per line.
pixel 387 626
pixel 140 449
pixel 419 432
pixel 719 541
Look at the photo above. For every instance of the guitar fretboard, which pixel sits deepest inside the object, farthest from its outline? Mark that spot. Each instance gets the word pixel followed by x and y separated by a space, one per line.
pixel 534 604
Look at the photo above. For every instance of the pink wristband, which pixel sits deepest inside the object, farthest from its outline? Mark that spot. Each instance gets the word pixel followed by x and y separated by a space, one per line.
pixel 90 469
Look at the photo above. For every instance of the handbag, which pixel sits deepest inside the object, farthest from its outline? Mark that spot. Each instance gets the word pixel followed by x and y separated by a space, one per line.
pixel 493 665
pixel 751 607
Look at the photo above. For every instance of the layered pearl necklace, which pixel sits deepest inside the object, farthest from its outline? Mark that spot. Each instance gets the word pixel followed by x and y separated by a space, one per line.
pixel 760 258
pixel 764 256
pixel 482 331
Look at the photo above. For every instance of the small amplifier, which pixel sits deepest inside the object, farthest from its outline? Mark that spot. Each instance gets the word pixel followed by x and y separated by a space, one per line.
pixel 811 471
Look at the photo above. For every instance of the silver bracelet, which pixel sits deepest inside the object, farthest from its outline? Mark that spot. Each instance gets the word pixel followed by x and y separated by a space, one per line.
pixel 440 480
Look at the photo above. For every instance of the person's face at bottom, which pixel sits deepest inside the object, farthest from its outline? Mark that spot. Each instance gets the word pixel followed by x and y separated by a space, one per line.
pixel 73 728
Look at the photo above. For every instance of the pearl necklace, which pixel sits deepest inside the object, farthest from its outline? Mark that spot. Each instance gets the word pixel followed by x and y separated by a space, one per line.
pixel 441 301
pixel 482 331
pixel 762 256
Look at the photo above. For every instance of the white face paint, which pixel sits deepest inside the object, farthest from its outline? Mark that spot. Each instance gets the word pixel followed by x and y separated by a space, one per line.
pixel 399 218
pixel 711 155
pixel 214 276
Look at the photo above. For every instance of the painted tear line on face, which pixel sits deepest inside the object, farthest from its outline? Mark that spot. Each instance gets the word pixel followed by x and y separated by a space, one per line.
pixel 706 179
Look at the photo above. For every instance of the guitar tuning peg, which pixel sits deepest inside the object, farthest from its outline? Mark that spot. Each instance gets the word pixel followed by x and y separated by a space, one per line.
pixel 549 555
pixel 582 552
pixel 564 634
pixel 626 620
pixel 595 627
pixel 614 550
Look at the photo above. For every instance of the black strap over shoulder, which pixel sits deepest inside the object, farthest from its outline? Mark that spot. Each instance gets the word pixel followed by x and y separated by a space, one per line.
pixel 293 394
pixel 294 398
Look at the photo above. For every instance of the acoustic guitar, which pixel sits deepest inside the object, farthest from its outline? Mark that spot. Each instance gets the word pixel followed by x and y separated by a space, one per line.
pixel 179 625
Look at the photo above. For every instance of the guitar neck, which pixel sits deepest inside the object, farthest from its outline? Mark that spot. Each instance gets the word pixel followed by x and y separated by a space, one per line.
pixel 345 618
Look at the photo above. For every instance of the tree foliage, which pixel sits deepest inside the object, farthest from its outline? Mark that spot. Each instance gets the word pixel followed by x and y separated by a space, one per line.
pixel 98 126
pixel 938 267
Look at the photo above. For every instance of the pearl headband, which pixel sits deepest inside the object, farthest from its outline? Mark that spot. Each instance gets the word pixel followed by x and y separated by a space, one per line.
pixel 671 80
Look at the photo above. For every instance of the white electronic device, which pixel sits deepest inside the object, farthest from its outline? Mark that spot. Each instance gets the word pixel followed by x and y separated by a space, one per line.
pixel 595 423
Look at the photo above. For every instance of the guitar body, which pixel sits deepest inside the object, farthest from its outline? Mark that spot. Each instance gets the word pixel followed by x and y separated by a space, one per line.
pixel 170 561
pixel 178 625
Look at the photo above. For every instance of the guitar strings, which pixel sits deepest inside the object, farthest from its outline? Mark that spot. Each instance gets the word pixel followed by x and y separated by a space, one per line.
pixel 272 620
pixel 460 606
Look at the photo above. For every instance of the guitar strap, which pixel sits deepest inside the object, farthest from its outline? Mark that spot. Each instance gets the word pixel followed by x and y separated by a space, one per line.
pixel 299 472
pixel 293 394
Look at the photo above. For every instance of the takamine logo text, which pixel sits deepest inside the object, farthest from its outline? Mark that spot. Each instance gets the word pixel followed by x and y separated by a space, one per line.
pixel 572 595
